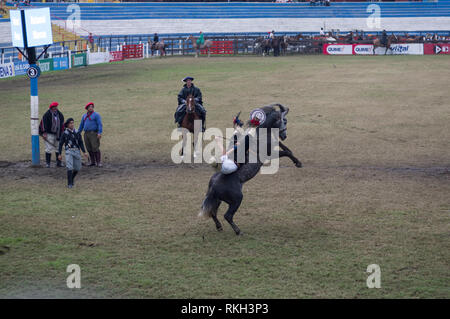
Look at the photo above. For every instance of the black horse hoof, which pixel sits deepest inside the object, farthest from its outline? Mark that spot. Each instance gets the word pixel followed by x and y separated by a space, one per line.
pixel 219 229
pixel 298 164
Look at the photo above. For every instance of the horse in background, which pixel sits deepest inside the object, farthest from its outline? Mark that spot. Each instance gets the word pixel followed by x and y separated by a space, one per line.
pixel 188 123
pixel 390 40
pixel 264 45
pixel 205 46
pixel 157 46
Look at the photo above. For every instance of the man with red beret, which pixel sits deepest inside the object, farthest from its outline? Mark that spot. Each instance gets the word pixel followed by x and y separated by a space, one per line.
pixel 51 128
pixel 91 123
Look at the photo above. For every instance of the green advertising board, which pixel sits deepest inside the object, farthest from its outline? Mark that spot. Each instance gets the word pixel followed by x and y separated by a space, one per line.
pixel 78 60
pixel 46 65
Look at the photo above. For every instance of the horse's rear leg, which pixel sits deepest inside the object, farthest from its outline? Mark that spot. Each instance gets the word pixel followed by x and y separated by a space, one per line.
pixel 232 208
pixel 218 224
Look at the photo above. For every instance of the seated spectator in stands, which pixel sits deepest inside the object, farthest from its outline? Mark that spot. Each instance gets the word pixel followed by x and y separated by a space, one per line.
pixel 327 3
pixel 312 2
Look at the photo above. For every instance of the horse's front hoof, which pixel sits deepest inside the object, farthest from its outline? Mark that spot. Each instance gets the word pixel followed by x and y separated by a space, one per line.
pixel 299 164
pixel 240 234
pixel 219 229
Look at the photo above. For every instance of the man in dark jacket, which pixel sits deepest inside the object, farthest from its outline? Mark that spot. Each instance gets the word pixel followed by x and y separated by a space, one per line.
pixel 72 143
pixel 384 38
pixel 190 88
pixel 51 128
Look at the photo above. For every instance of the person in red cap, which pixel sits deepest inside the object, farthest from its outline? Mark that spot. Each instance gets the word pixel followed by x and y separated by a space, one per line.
pixel 51 128
pixel 91 124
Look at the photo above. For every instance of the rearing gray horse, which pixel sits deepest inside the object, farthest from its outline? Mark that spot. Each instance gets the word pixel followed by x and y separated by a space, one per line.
pixel 228 188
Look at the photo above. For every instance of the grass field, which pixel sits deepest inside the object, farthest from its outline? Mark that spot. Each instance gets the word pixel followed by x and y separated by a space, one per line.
pixel 373 134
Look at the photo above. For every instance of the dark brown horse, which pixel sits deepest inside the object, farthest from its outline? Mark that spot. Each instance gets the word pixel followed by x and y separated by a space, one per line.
pixel 188 123
pixel 377 43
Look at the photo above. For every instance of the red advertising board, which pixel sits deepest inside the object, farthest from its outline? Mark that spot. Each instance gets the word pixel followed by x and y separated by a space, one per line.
pixel 436 48
pixel 220 47
pixel 115 56
pixel 132 51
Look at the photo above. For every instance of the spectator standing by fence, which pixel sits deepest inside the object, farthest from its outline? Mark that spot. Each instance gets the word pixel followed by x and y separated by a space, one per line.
pixel 91 124
pixel 91 41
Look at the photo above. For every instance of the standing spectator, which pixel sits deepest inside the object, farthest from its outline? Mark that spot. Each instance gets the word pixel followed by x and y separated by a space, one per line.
pixel 91 124
pixel 322 33
pixel 51 128
pixel 72 142
pixel 91 41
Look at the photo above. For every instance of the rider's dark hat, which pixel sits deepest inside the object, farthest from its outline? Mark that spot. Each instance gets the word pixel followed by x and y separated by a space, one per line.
pixel 188 78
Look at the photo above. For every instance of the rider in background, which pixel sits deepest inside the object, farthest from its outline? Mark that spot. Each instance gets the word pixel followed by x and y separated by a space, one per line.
pixel 155 38
pixel 201 39
pixel 190 88
pixel 383 39
pixel 271 36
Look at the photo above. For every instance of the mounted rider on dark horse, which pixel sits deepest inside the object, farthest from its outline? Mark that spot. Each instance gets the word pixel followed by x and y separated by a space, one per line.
pixel 190 89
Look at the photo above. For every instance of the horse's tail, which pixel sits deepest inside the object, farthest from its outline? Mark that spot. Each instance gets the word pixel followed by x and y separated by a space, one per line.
pixel 210 205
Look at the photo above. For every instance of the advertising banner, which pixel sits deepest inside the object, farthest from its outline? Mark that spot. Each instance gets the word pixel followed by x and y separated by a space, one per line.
pixel 115 56
pixel 60 63
pixel 333 49
pixel 402 48
pixel 359 49
pixel 46 65
pixel 98 57
pixel 436 48
pixel 411 48
pixel 6 70
pixel 78 60
pixel 20 68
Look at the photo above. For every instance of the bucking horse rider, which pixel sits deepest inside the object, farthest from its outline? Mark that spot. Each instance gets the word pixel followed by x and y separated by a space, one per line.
pixel 190 88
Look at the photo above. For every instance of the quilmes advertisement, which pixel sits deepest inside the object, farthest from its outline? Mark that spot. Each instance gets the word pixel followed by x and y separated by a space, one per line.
pixel 78 60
